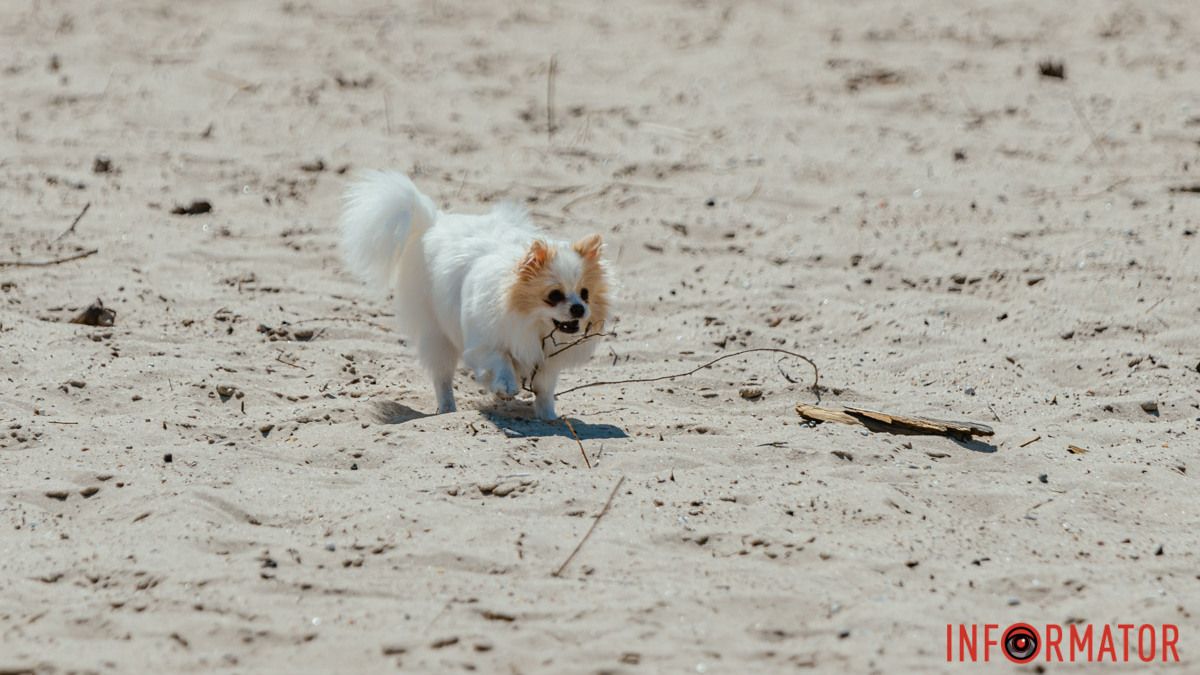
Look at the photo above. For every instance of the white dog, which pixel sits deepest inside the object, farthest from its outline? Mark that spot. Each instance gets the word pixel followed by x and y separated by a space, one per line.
pixel 490 289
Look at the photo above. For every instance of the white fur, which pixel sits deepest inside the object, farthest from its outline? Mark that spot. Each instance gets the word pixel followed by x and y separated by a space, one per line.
pixel 451 275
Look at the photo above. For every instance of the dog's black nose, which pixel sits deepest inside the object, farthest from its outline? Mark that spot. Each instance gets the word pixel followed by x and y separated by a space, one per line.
pixel 577 310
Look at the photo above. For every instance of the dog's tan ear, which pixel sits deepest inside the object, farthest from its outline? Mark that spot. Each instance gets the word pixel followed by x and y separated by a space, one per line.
pixel 588 248
pixel 535 259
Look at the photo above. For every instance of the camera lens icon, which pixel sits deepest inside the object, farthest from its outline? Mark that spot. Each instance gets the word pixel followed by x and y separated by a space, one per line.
pixel 1021 643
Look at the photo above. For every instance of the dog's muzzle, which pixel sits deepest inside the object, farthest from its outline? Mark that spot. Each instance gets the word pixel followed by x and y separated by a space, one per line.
pixel 567 326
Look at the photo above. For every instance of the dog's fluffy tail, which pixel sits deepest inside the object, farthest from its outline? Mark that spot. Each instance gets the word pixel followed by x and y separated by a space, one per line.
pixel 383 214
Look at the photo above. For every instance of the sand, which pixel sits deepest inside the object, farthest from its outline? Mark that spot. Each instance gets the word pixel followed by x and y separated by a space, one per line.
pixel 893 190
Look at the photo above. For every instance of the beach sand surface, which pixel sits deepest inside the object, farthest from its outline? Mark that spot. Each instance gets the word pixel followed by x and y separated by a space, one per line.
pixel 242 474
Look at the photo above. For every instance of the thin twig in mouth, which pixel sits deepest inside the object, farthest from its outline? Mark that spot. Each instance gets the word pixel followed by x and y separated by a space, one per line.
pixel 526 383
pixel 564 347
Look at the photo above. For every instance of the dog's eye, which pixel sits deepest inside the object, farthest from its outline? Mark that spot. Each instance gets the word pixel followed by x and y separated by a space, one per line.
pixel 556 296
pixel 583 294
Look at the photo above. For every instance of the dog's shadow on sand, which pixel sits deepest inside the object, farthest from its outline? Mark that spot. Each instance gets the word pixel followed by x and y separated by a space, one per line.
pixel 513 419
pixel 516 420
pixel 394 412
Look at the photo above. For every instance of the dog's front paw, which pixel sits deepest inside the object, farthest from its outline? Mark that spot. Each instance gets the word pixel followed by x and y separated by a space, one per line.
pixel 543 407
pixel 504 385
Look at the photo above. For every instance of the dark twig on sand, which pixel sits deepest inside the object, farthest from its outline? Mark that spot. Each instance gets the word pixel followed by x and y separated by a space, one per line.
pixel 338 318
pixel 1087 126
pixel 553 70
pixel 562 347
pixel 387 109
pixel 279 358
pixel 75 222
pixel 813 387
pixel 558 572
pixel 583 452
pixel 47 263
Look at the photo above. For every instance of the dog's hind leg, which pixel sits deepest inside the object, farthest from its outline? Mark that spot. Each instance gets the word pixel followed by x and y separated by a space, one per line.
pixel 440 357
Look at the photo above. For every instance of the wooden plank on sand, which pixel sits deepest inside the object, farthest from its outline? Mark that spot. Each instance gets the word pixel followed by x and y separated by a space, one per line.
pixel 888 422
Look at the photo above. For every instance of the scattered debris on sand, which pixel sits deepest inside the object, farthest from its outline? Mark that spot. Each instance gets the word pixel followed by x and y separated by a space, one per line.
pixel 96 314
